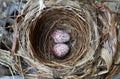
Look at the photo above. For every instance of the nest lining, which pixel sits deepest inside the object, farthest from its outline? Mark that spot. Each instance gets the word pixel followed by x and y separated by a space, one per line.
pixel 64 19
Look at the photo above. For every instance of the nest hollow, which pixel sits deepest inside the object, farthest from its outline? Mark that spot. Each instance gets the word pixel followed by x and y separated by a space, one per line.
pixel 63 19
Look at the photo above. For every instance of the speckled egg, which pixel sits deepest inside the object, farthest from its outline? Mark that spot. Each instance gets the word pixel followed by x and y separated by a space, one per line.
pixel 60 36
pixel 60 50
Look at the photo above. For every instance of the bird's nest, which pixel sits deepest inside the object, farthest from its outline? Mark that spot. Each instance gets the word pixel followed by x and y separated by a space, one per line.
pixel 63 19
pixel 92 42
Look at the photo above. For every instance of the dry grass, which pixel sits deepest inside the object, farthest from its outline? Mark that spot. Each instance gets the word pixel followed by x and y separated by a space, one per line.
pixel 93 40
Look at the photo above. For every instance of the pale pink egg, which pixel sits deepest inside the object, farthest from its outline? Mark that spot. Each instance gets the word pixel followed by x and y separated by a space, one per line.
pixel 60 36
pixel 60 50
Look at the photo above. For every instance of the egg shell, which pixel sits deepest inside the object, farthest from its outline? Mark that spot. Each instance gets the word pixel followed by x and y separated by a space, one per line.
pixel 60 50
pixel 60 36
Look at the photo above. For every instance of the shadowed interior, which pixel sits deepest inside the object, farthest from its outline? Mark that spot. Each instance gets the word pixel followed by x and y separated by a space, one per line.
pixel 64 19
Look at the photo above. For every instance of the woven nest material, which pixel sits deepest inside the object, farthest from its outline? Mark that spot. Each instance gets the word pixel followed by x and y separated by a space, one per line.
pixel 92 44
pixel 64 19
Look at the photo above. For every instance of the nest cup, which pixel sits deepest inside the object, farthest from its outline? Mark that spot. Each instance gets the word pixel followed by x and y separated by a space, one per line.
pixel 92 39
pixel 60 18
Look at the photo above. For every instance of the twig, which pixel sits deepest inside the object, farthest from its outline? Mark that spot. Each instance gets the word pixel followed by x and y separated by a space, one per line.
pixel 14 40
